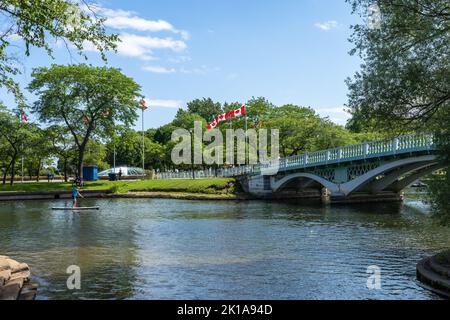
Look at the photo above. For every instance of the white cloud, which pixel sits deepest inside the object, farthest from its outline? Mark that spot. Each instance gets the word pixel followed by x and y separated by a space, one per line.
pixel 142 47
pixel 122 19
pixel 326 25
pixel 158 69
pixel 171 104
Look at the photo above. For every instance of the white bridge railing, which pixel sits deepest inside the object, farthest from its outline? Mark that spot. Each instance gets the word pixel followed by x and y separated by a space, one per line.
pixel 373 149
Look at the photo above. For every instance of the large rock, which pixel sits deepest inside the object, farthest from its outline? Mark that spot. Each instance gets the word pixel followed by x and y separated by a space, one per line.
pixel 14 277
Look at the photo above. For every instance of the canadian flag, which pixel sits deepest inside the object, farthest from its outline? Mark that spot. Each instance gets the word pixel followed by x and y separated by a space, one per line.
pixel 212 125
pixel 222 117
pixel 238 112
pixel 227 115
pixel 144 104
pixel 24 116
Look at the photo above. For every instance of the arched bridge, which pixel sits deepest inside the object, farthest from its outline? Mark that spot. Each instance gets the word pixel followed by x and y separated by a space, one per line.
pixel 376 170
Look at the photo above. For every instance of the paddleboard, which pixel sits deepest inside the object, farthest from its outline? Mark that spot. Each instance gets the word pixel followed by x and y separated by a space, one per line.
pixel 77 208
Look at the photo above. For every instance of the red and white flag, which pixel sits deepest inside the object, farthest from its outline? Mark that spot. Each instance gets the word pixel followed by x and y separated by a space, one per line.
pixel 144 104
pixel 238 112
pixel 227 115
pixel 222 117
pixel 212 125
pixel 24 116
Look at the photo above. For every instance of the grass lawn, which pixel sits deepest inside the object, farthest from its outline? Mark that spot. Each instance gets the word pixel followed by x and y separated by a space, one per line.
pixel 206 186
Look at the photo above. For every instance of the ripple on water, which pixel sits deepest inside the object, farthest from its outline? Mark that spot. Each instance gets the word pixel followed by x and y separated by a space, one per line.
pixel 166 249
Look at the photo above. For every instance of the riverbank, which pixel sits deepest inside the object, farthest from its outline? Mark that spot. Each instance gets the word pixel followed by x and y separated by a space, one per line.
pixel 189 189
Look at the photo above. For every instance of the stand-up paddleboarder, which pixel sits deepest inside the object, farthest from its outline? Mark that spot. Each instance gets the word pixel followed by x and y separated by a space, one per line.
pixel 75 194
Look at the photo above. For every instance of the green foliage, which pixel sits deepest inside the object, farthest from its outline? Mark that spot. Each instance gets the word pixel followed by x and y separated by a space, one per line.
pixel 41 22
pixel 302 130
pixel 209 186
pixel 185 119
pixel 87 100
pixel 406 72
pixel 128 146
pixel 96 155
pixel 439 196
pixel 404 83
pixel 18 139
pixel 205 108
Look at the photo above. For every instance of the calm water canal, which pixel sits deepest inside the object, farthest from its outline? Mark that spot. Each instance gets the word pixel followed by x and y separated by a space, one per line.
pixel 175 249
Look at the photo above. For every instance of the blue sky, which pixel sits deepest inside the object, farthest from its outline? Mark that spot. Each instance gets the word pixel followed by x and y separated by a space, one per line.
pixel 289 51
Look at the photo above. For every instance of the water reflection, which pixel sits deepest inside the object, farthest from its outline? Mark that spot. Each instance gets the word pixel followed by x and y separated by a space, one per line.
pixel 174 249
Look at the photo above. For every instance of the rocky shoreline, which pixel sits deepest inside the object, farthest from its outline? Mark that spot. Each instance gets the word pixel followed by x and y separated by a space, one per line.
pixel 15 280
pixel 434 273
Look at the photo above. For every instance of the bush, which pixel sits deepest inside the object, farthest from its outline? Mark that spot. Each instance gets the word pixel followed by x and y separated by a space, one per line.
pixel 439 196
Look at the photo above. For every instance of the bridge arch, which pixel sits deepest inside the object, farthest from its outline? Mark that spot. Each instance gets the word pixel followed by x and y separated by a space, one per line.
pixel 276 186
pixel 412 164
pixel 407 181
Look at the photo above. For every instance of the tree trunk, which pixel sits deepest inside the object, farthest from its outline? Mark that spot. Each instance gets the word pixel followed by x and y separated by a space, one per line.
pixel 13 163
pixel 5 174
pixel 39 170
pixel 65 169
pixel 80 161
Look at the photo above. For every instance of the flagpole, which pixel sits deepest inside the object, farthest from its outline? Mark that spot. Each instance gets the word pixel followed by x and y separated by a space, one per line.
pixel 246 140
pixel 143 143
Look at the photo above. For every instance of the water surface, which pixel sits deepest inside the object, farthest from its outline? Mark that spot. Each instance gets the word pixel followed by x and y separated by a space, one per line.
pixel 176 249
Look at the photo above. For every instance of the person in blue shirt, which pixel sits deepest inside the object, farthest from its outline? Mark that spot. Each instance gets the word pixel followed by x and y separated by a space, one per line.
pixel 75 194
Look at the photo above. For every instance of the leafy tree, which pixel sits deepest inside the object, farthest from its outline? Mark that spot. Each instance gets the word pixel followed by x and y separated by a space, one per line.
pixel 163 134
pixel 41 22
pixel 87 100
pixel 206 108
pixel 406 72
pixel 333 135
pixel 154 154
pixel 128 146
pixel 440 184
pixel 96 155
pixel 37 152
pixel 258 110
pixel 63 146
pixel 18 136
pixel 405 78
pixel 186 120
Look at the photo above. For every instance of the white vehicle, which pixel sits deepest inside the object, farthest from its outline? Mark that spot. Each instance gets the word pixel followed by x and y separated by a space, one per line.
pixel 126 171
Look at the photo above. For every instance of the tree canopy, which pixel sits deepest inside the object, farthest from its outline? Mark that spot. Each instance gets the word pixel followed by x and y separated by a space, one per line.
pixel 39 23
pixel 405 76
pixel 404 83
pixel 87 100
